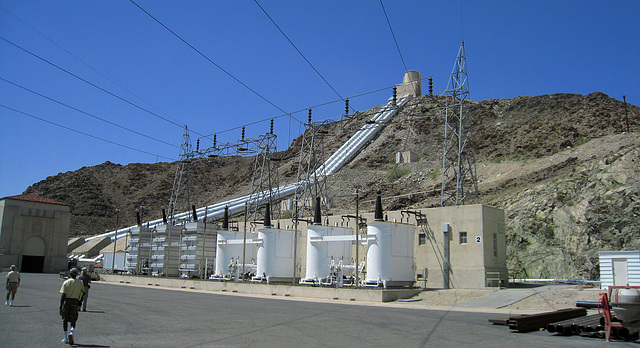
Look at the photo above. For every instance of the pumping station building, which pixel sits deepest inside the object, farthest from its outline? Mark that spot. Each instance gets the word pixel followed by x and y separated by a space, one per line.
pixel 457 245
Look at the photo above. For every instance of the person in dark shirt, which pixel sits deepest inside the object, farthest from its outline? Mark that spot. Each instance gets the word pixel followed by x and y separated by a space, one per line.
pixel 86 280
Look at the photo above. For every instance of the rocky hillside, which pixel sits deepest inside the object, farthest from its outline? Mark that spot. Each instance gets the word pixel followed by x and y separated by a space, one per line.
pixel 562 166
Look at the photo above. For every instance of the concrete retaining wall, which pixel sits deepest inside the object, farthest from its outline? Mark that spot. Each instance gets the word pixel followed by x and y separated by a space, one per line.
pixel 348 294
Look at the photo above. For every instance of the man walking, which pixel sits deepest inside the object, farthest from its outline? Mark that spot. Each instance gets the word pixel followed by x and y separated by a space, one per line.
pixel 86 280
pixel 13 282
pixel 72 291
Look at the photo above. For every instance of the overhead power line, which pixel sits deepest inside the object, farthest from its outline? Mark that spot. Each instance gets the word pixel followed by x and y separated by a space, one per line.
pixel 207 58
pixel 394 36
pixel 81 61
pixel 296 48
pixel 88 114
pixel 92 84
pixel 83 133
pixel 304 110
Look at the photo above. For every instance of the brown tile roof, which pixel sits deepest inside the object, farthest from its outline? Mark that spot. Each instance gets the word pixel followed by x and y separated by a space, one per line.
pixel 30 197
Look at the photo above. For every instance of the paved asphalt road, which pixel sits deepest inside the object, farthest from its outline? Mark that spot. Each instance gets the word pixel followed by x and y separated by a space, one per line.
pixel 127 316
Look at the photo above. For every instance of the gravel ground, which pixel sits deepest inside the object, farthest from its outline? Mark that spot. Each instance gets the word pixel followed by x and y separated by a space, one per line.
pixel 545 299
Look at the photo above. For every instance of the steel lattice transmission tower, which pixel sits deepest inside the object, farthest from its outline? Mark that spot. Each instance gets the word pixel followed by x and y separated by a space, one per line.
pixel 264 180
pixel 265 175
pixel 459 180
pixel 181 193
pixel 310 184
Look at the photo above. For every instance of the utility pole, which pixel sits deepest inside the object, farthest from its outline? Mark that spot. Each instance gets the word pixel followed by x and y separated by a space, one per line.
pixel 357 235
pixel 204 240
pixel 295 241
pixel 115 241
pixel 244 241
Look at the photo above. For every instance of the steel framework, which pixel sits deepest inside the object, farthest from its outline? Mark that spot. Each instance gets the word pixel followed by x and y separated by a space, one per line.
pixel 459 180
pixel 181 191
pixel 264 179
pixel 311 183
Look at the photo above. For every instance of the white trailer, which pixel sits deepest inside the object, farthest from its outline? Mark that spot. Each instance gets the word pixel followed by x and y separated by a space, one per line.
pixel 120 262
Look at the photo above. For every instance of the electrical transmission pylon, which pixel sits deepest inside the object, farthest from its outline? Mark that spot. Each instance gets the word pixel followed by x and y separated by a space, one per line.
pixel 310 184
pixel 265 176
pixel 459 180
pixel 264 181
pixel 181 193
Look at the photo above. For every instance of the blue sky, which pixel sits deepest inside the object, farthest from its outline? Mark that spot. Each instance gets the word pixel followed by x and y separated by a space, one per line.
pixel 513 48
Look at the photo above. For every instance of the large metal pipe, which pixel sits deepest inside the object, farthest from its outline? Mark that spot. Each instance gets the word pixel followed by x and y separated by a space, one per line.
pixel 586 304
pixel 588 324
pixel 626 333
pixel 329 167
pixel 575 325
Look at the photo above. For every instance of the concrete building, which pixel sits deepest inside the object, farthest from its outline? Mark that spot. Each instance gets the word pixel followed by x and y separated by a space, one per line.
pixel 453 247
pixel 476 244
pixel 406 157
pixel 74 243
pixel 411 84
pixel 33 233
pixel 91 248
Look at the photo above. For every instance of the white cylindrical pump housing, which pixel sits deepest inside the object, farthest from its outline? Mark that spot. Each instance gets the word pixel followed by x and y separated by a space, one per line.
pixel 230 247
pixel 389 252
pixel 275 253
pixel 320 253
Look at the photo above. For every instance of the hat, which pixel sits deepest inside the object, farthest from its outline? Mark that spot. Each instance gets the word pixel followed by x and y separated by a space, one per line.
pixel 84 269
pixel 13 267
pixel 74 272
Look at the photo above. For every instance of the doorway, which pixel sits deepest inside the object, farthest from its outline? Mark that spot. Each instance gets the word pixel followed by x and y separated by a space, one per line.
pixel 32 264
pixel 620 272
pixel 33 255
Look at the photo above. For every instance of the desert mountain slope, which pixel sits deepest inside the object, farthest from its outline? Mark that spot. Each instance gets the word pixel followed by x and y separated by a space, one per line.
pixel 562 166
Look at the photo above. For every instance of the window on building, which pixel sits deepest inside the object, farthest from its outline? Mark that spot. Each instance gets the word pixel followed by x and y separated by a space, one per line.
pixel 463 237
pixel 495 245
pixel 422 239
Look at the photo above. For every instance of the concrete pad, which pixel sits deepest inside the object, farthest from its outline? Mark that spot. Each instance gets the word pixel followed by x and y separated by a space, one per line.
pixel 348 294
